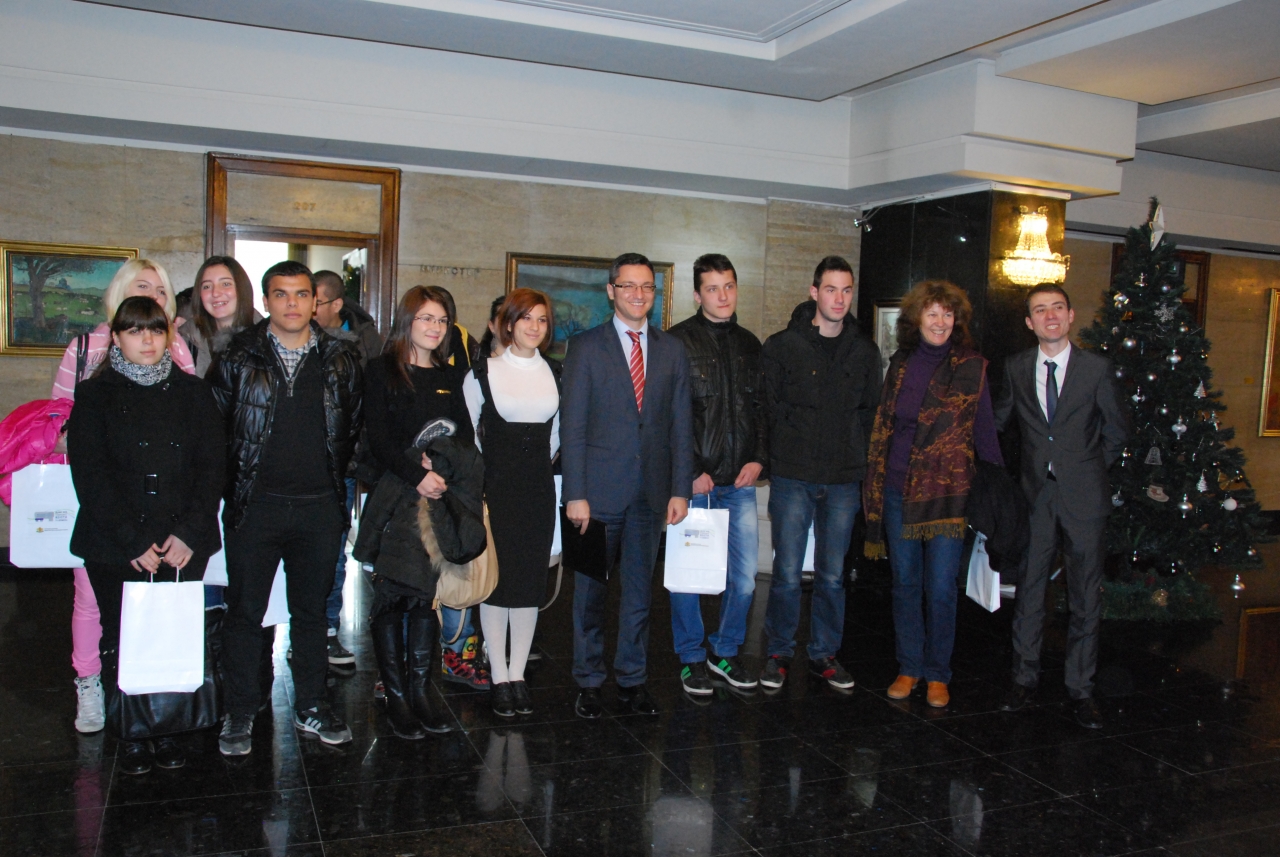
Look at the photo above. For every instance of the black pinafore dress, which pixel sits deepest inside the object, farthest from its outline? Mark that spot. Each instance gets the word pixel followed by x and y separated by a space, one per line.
pixel 521 495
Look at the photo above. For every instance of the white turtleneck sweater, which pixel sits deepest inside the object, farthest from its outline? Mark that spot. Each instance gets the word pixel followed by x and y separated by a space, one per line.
pixel 524 391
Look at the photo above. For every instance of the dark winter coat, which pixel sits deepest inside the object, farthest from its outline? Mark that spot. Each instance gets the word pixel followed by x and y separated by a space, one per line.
pixel 997 508
pixel 820 410
pixel 408 538
pixel 729 425
pixel 147 463
pixel 246 383
pixel 360 330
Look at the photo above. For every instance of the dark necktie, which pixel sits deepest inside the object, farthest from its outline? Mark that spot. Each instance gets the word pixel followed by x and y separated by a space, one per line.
pixel 1051 389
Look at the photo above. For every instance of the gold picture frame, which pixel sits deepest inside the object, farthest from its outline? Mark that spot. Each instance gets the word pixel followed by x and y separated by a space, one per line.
pixel 39 318
pixel 1269 412
pixel 576 286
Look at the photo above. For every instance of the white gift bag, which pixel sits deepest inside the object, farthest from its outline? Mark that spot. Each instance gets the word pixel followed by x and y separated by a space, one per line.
pixel 42 517
pixel 698 552
pixel 161 637
pixel 983 585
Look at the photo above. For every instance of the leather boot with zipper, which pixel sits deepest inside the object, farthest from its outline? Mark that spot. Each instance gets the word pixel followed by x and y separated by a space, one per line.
pixel 423 631
pixel 388 648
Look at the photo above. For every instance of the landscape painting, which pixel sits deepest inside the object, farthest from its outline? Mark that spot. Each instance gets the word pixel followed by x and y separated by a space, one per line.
pixel 576 286
pixel 51 293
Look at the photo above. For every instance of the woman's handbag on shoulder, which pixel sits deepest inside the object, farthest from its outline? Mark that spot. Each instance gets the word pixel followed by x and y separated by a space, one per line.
pixel 466 585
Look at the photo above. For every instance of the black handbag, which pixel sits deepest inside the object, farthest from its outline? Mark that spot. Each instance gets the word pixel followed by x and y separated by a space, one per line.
pixel 150 715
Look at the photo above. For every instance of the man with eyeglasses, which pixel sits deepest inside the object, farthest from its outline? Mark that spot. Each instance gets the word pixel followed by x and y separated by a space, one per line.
pixel 351 324
pixel 291 396
pixel 626 449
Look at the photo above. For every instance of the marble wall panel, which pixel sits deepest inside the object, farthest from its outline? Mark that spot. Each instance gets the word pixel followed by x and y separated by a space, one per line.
pixel 258 200
pixel 798 237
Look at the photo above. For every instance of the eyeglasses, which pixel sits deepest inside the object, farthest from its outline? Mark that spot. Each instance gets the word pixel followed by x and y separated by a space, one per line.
pixel 647 288
pixel 326 303
pixel 432 320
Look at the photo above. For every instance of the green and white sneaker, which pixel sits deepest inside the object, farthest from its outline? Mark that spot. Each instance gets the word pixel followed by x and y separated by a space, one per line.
pixel 733 671
pixel 695 680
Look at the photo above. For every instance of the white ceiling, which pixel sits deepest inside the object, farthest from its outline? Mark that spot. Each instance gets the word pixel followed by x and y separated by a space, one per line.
pixel 759 21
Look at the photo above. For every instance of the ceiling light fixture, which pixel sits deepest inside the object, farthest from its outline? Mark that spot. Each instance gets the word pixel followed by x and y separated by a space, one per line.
pixel 1033 262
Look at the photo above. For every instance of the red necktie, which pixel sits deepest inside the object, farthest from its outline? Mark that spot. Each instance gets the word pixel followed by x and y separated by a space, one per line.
pixel 637 368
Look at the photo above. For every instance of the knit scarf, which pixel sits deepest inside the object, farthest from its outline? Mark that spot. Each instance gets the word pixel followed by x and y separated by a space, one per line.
pixel 941 468
pixel 137 373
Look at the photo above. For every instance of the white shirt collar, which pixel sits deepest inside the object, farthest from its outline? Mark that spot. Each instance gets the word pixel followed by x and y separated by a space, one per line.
pixel 622 328
pixel 1061 359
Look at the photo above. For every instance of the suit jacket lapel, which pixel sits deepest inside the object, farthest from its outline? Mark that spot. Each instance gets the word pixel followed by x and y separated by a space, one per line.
pixel 1074 379
pixel 1030 373
pixel 618 362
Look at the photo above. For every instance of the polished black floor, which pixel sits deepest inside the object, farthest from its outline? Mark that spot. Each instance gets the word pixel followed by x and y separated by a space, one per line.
pixel 1189 763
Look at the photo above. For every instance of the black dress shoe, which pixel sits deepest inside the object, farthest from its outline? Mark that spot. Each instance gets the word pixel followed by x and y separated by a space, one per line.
pixel 588 704
pixel 502 699
pixel 636 700
pixel 135 758
pixel 523 701
pixel 1017 697
pixel 169 754
pixel 1088 714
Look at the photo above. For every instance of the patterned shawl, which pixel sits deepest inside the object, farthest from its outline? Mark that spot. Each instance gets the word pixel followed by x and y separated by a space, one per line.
pixel 941 468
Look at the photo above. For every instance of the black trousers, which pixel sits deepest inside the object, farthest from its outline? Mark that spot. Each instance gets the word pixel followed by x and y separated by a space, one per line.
pixel 1083 545
pixel 305 533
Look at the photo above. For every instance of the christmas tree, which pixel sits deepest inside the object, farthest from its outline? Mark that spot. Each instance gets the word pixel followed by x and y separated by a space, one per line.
pixel 1182 500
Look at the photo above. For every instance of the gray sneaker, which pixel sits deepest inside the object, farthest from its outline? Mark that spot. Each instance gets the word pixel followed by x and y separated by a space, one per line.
pixel 693 677
pixel 322 723
pixel 732 670
pixel 236 737
pixel 91 708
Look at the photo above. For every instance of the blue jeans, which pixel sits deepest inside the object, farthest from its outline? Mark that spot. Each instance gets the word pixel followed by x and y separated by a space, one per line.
pixel 924 574
pixel 740 585
pixel 449 627
pixel 793 506
pixel 634 534
pixel 333 606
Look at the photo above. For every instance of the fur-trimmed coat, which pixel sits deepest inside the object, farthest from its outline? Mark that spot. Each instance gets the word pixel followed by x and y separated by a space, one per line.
pixel 410 539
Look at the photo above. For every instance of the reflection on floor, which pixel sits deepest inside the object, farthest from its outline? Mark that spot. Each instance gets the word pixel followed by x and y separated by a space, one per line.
pixel 1189 763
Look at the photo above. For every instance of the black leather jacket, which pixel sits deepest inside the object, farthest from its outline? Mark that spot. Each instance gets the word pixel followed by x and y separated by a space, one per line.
pixel 246 380
pixel 729 426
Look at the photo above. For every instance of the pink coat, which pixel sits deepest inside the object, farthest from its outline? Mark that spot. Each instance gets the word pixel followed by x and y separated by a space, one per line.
pixel 27 436
pixel 64 384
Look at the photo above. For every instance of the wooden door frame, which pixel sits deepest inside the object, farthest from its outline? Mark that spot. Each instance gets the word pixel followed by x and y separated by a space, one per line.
pixel 379 286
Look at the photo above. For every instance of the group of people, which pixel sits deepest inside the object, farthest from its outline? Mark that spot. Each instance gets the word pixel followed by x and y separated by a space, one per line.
pixel 274 417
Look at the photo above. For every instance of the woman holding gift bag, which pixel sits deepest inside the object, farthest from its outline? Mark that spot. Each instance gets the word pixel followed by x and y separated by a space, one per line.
pixel 137 277
pixel 514 402
pixel 147 456
pixel 935 413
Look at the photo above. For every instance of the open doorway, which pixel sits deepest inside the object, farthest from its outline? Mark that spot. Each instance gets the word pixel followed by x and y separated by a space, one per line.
pixel 347 261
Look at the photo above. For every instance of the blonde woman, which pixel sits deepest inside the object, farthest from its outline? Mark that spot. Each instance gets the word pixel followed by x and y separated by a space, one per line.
pixel 137 277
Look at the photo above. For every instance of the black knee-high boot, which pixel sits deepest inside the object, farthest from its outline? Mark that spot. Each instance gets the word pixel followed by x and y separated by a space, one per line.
pixel 423 631
pixel 388 648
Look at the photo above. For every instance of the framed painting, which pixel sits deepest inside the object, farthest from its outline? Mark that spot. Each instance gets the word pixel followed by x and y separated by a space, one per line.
pixel 52 293
pixel 576 286
pixel 886 320
pixel 1269 418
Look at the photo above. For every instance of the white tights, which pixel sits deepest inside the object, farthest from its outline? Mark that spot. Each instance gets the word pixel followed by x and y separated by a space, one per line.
pixel 494 621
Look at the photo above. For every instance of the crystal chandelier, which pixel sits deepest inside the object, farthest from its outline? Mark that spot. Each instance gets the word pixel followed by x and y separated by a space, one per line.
pixel 1032 262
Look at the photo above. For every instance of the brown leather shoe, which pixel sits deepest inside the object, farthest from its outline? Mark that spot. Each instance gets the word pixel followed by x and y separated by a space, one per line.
pixel 902 687
pixel 937 694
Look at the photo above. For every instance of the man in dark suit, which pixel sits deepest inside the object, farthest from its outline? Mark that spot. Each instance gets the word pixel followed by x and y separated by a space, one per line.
pixel 1074 427
pixel 626 445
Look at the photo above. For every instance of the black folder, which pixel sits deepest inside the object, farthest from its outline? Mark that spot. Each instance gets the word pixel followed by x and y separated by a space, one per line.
pixel 587 552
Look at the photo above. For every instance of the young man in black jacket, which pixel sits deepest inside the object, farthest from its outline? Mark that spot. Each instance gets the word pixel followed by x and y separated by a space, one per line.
pixel 822 385
pixel 290 394
pixel 730 446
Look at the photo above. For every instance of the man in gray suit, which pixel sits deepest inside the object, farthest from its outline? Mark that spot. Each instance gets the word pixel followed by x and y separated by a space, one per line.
pixel 1074 427
pixel 626 446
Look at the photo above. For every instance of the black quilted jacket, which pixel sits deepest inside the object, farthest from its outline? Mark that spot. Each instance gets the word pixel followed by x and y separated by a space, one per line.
pixel 246 381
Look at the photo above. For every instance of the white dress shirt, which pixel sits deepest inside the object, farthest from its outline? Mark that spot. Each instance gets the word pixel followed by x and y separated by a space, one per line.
pixel 1042 376
pixel 623 330
pixel 524 391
